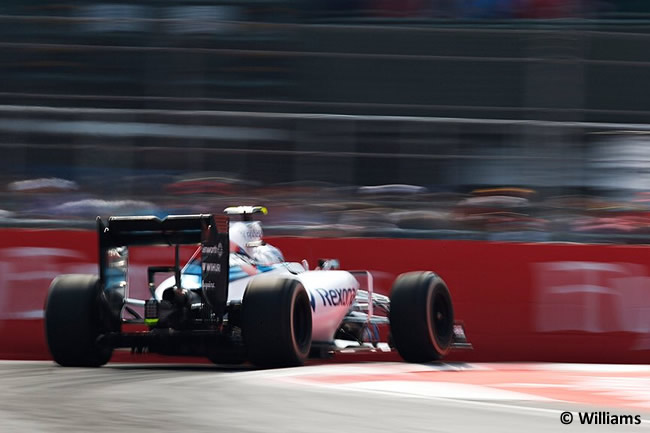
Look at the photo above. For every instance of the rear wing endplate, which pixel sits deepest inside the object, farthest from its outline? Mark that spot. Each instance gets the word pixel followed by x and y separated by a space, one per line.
pixel 207 230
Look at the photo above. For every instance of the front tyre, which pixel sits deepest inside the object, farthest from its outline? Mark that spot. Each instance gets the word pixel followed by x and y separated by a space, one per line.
pixel 74 318
pixel 421 317
pixel 276 322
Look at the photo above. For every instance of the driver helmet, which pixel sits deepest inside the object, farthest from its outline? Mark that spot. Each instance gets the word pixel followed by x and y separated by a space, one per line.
pixel 245 236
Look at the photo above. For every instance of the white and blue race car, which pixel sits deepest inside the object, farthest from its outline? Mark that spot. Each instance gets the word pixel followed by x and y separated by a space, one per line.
pixel 238 300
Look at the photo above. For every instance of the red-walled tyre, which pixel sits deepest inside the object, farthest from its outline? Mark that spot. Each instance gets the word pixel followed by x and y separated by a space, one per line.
pixel 421 317
pixel 276 322
pixel 73 321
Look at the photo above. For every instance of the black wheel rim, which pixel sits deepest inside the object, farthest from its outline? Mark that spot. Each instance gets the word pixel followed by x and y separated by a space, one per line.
pixel 302 322
pixel 442 320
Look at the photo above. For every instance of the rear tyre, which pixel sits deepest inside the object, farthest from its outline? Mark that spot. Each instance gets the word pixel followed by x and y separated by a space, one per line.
pixel 421 317
pixel 276 322
pixel 74 318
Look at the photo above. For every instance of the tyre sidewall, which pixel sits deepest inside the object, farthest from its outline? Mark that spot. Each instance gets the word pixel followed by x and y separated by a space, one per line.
pixel 268 327
pixel 438 288
pixel 411 316
pixel 73 321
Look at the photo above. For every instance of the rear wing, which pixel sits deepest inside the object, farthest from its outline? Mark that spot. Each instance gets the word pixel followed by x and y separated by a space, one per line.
pixel 124 231
pixel 207 230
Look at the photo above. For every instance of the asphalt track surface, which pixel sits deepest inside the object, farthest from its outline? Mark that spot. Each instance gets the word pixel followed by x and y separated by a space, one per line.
pixel 367 397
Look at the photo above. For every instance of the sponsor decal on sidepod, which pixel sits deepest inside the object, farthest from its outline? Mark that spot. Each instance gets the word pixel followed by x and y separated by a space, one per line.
pixel 334 297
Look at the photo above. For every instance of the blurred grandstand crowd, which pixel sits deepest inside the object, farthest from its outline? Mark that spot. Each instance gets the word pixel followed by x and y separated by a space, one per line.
pixel 328 210
pixel 473 9
pixel 204 10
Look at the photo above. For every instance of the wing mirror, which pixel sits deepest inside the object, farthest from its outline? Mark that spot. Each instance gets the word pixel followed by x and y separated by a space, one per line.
pixel 328 264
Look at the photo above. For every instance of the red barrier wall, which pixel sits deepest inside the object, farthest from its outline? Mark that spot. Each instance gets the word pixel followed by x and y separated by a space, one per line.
pixel 523 302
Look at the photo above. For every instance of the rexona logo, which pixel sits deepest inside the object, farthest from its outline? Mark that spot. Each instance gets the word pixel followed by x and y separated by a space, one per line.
pixel 335 297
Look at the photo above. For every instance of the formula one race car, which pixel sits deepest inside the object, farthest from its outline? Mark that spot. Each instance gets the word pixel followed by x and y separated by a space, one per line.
pixel 238 300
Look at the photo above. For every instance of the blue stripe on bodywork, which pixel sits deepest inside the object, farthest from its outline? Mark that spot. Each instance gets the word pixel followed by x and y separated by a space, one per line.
pixel 235 272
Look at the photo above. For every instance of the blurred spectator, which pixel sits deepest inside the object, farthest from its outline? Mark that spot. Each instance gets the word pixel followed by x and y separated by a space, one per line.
pixel 544 9
pixel 472 9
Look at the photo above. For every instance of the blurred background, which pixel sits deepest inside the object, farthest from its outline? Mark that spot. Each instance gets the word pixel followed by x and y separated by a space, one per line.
pixel 521 120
